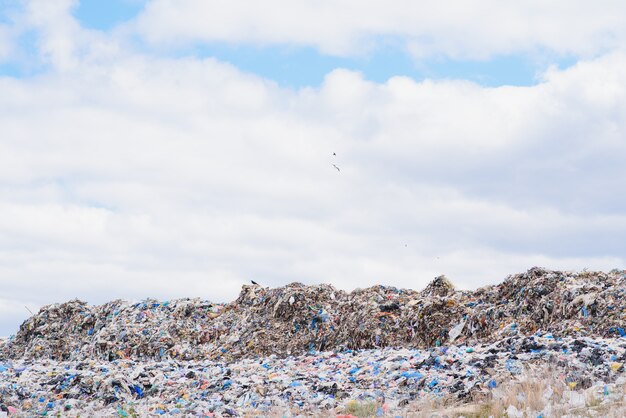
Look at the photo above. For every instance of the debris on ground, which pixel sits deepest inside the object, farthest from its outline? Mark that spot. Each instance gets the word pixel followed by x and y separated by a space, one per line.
pixel 317 348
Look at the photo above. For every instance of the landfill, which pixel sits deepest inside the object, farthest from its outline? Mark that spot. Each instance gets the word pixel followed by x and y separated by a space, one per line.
pixel 304 350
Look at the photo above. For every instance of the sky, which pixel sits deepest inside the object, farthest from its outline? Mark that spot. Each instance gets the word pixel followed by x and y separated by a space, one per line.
pixel 167 149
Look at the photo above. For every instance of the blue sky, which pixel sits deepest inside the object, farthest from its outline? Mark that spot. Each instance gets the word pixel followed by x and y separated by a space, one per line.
pixel 181 148
pixel 105 15
pixel 298 67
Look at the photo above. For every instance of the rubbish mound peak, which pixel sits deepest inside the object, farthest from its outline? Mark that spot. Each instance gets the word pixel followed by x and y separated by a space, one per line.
pixel 298 319
pixel 439 286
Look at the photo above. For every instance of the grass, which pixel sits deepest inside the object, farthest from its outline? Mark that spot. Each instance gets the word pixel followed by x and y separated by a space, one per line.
pixel 361 409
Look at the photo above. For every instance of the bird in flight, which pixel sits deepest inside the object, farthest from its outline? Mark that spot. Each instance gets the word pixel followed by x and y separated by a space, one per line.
pixel 334 154
pixel 336 167
pixel 253 282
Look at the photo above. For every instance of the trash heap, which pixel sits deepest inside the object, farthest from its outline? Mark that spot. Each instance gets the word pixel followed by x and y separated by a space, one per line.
pixel 390 382
pixel 298 319
pixel 116 330
pixel 316 350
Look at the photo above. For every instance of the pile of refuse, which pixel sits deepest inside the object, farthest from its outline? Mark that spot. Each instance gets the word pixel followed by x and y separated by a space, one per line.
pixel 578 372
pixel 315 350
pixel 298 319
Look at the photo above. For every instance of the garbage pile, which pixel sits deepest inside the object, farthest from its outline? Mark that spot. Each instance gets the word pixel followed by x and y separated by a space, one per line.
pixel 390 382
pixel 116 330
pixel 298 319
pixel 316 350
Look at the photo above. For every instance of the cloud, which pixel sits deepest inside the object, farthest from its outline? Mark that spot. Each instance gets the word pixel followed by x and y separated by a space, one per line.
pixel 44 33
pixel 458 29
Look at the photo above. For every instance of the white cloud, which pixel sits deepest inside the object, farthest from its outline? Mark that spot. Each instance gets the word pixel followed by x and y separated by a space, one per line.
pixel 60 41
pixel 460 28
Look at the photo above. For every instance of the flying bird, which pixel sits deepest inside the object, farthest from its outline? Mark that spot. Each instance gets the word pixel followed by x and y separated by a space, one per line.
pixel 334 154
pixel 336 168
pixel 253 282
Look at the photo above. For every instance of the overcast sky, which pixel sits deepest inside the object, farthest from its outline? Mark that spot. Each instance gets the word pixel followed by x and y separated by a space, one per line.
pixel 180 148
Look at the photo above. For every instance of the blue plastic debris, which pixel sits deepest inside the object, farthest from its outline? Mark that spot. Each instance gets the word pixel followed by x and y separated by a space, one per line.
pixel 412 375
pixel 512 366
pixel 137 389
